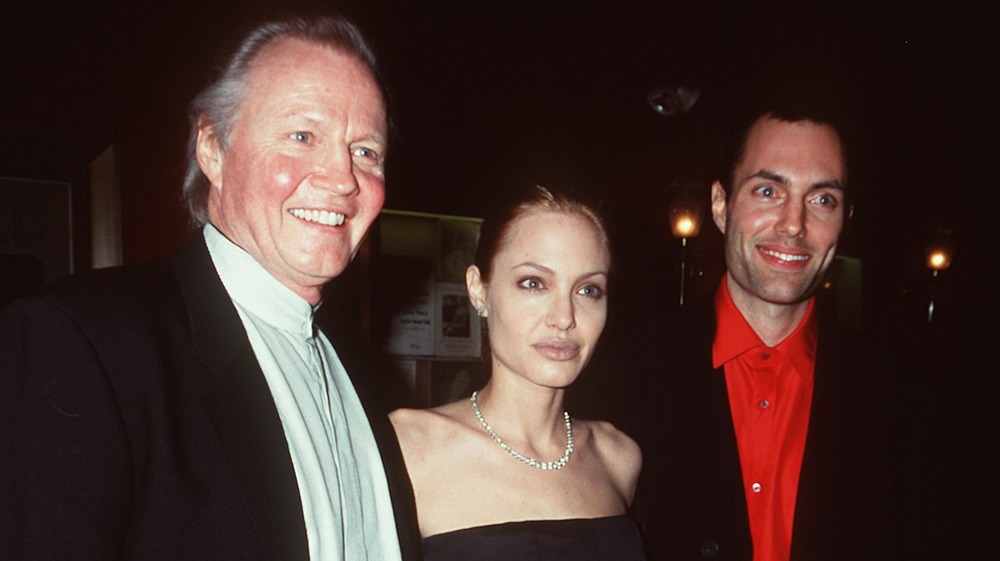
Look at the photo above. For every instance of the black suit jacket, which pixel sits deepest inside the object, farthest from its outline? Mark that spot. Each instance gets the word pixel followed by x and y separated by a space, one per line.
pixel 690 500
pixel 137 424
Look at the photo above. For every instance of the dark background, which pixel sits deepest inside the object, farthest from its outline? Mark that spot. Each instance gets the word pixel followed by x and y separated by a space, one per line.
pixel 485 97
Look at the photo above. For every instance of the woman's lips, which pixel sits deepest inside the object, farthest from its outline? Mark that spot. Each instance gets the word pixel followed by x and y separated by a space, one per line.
pixel 557 350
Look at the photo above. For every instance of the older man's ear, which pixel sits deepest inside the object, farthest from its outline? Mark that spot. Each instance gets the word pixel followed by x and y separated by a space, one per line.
pixel 209 153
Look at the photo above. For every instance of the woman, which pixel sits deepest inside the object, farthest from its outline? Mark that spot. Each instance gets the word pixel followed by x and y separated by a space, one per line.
pixel 507 474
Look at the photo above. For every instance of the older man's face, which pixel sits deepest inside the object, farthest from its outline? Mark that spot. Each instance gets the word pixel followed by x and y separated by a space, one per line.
pixel 302 179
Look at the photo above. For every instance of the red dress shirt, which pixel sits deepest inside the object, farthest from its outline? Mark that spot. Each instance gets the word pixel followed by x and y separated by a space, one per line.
pixel 770 395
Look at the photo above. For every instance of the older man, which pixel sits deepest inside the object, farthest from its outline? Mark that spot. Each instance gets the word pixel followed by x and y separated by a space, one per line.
pixel 189 409
pixel 761 419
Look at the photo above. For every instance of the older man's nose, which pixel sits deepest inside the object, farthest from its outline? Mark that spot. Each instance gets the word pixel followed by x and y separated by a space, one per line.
pixel 335 171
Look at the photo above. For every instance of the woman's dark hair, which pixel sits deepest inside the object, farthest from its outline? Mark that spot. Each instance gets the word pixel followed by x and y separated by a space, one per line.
pixel 495 229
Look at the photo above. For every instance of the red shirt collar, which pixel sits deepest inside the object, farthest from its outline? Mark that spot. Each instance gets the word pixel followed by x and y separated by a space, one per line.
pixel 734 336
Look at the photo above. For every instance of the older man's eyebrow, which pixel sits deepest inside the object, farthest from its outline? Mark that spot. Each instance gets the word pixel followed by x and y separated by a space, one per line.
pixel 377 138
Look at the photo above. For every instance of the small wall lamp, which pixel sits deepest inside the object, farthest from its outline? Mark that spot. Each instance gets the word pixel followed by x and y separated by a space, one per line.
pixel 938 258
pixel 685 222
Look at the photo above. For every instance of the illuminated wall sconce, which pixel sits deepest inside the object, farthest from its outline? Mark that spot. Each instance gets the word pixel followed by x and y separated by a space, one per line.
pixel 685 222
pixel 939 254
pixel 938 259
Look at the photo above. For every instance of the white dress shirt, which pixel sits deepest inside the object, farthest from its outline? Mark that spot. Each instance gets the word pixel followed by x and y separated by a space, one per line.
pixel 342 482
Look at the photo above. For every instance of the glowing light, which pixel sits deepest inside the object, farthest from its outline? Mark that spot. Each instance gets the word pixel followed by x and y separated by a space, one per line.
pixel 685 223
pixel 938 260
pixel 685 226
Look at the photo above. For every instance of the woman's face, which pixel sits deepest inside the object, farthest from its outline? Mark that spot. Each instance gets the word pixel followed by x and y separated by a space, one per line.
pixel 546 302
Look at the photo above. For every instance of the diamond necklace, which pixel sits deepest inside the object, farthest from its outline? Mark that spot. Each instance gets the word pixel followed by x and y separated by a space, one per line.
pixel 558 464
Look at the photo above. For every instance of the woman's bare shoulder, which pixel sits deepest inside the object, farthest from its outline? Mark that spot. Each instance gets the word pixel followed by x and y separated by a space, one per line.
pixel 426 425
pixel 609 440
pixel 620 454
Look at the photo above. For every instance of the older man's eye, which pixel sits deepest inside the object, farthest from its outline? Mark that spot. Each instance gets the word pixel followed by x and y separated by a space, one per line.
pixel 366 153
pixel 301 136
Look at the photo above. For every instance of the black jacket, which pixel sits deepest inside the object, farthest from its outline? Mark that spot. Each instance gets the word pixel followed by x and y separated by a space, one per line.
pixel 135 423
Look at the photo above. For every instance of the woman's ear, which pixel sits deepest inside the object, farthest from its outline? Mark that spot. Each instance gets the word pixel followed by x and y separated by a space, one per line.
pixel 477 290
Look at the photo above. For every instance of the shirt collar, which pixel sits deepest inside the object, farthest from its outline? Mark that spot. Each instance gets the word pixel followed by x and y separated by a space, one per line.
pixel 734 336
pixel 254 289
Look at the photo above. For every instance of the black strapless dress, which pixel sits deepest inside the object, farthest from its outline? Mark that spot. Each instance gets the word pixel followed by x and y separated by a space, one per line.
pixel 614 538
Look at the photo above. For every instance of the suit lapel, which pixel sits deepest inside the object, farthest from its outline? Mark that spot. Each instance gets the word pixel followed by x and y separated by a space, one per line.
pixel 722 477
pixel 240 405
pixel 692 479
pixel 828 441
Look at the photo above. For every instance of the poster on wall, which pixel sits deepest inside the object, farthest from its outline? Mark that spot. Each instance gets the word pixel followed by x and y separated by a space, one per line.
pixel 411 326
pixel 35 222
pixel 457 330
pixel 454 380
pixel 36 240
pixel 457 238
pixel 422 266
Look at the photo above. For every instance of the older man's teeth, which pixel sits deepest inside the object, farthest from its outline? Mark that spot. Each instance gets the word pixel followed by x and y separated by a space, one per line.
pixel 323 217
pixel 784 256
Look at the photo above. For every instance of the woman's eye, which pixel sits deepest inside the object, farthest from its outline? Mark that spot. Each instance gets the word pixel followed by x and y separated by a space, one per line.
pixel 591 291
pixel 301 136
pixel 531 283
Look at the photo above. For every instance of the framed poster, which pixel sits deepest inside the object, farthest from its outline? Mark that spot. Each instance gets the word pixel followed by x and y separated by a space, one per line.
pixel 422 262
pixel 454 380
pixel 457 329
pixel 457 239
pixel 36 230
pixel 409 295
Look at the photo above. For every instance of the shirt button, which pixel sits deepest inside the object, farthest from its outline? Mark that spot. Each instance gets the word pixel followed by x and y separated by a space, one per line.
pixel 709 548
pixel 766 356
pixel 764 404
pixel 755 487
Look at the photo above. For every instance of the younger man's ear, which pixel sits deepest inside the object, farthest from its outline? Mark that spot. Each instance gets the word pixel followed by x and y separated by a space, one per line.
pixel 719 200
